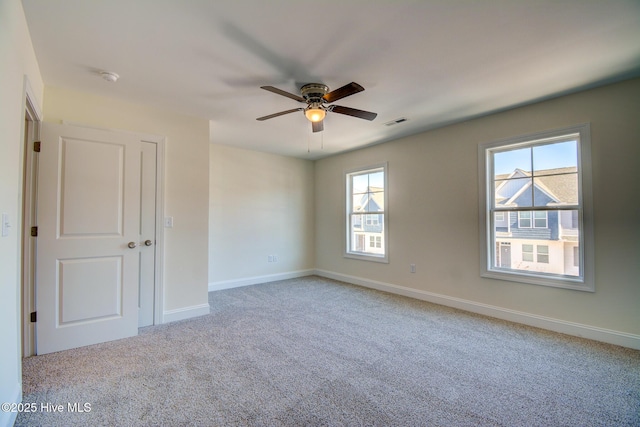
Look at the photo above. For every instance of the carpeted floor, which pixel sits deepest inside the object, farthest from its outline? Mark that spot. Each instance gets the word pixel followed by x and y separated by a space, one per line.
pixel 312 351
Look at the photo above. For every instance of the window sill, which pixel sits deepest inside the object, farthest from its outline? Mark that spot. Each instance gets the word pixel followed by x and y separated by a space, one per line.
pixel 575 284
pixel 367 257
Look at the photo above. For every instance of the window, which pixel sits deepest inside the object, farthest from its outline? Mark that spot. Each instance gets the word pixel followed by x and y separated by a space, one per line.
pixel 524 219
pixel 539 219
pixel 543 254
pixel 541 185
pixel 366 213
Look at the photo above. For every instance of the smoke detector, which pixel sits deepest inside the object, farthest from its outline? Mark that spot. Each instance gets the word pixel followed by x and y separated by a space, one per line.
pixel 109 76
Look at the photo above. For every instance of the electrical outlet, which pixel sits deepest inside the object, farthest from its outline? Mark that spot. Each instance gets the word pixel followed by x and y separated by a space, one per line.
pixel 275 258
pixel 269 258
pixel 412 268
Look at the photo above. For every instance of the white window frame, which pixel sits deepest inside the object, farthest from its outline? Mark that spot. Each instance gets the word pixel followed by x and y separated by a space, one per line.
pixel 585 280
pixel 348 253
pixel 520 219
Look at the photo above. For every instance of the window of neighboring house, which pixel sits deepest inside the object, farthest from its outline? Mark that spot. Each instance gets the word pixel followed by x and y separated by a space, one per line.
pixel 543 253
pixel 546 180
pixel 527 253
pixel 539 219
pixel 524 219
pixel 367 211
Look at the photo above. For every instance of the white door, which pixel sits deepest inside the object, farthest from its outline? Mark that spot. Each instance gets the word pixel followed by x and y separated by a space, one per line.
pixel 88 213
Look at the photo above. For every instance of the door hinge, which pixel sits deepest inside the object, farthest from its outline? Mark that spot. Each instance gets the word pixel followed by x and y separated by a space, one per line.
pixel 34 316
pixel 36 146
pixel 34 231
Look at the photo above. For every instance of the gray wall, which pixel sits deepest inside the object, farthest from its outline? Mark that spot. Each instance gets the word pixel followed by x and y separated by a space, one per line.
pixel 433 210
pixel 259 205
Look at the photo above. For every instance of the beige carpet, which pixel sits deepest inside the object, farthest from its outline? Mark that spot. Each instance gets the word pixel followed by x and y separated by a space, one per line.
pixel 312 351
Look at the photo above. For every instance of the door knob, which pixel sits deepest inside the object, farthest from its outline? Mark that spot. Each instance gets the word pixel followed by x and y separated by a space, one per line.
pixel 148 243
pixel 132 245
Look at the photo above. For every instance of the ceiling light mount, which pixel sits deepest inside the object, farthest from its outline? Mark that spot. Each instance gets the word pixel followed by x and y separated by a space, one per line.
pixel 109 76
pixel 313 92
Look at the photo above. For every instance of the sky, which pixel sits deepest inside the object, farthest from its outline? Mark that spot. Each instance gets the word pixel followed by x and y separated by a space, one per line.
pixel 550 156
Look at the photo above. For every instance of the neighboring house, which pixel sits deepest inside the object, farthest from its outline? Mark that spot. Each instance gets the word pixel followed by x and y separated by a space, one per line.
pixel 537 240
pixel 368 229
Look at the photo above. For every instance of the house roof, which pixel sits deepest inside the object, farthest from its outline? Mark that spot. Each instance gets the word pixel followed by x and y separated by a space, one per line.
pixel 375 195
pixel 559 184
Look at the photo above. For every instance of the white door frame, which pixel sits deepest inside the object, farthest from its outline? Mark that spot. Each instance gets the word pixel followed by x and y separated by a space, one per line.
pixel 29 209
pixel 28 193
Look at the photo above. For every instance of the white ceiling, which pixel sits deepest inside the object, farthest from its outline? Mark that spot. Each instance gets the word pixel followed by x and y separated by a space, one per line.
pixel 432 61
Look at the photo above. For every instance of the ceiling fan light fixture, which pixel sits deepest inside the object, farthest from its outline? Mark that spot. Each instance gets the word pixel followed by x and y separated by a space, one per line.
pixel 314 114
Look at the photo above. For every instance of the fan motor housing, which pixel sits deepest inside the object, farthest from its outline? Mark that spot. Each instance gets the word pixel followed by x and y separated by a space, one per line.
pixel 313 92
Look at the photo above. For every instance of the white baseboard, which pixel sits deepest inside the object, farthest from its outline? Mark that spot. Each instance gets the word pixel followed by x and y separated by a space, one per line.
pixel 570 328
pixel 254 280
pixel 7 419
pixel 185 313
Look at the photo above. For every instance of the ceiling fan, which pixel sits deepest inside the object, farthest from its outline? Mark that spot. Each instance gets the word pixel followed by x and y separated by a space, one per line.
pixel 317 96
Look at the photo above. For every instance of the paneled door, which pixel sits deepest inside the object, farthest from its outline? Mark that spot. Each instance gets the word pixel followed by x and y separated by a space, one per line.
pixel 88 243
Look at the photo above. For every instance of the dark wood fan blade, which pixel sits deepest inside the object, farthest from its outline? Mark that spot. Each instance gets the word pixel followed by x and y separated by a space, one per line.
pixel 317 126
pixel 283 93
pixel 343 92
pixel 281 113
pixel 367 115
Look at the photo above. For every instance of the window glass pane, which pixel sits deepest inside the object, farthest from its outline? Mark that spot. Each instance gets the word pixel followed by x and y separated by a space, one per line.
pixel 554 158
pixel 513 192
pixel 376 181
pixel 507 162
pixel 360 183
pixel 568 227
pixel 357 222
pixel 358 202
pixel 376 202
pixel 542 249
pixel 552 190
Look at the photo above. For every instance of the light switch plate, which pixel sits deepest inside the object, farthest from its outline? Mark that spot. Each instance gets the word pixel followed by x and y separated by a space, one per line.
pixel 168 222
pixel 5 225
